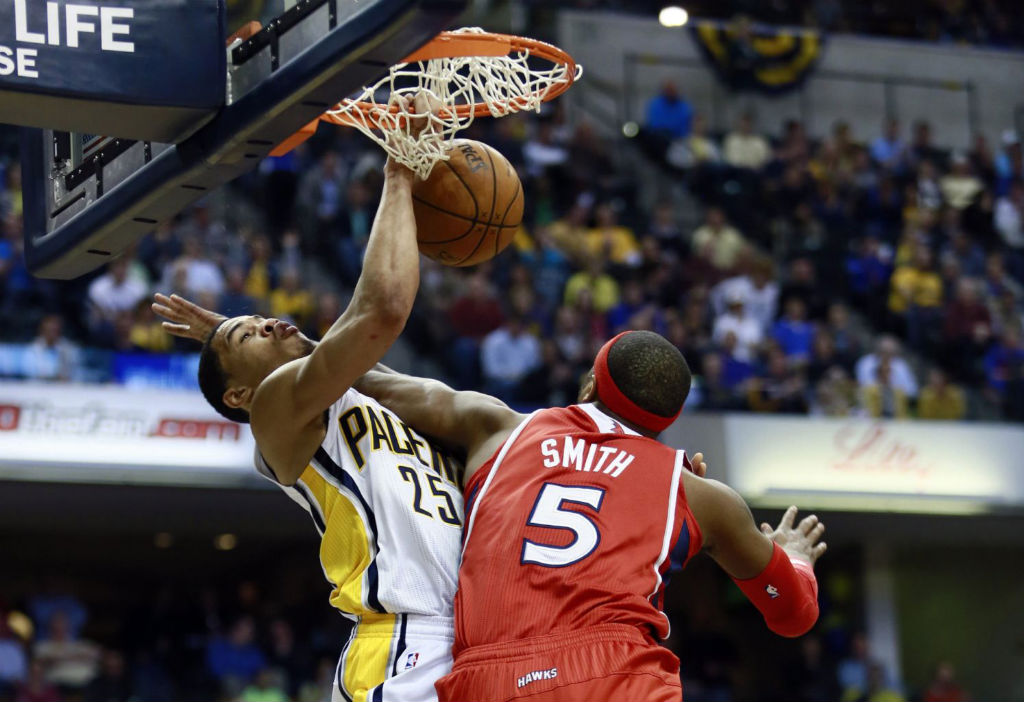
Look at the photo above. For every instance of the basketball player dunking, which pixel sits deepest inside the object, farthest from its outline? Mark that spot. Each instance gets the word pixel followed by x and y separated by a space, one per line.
pixel 385 501
pixel 576 519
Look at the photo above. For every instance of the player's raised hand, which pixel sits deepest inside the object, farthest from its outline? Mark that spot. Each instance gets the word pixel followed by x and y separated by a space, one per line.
pixel 185 319
pixel 800 541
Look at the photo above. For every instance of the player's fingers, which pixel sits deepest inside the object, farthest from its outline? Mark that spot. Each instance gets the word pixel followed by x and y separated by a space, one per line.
pixel 160 309
pixel 808 523
pixel 816 532
pixel 819 550
pixel 176 329
pixel 788 517
pixel 766 528
pixel 161 298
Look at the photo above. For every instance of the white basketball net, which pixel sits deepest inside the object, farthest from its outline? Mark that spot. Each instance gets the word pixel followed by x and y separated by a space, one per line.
pixel 505 84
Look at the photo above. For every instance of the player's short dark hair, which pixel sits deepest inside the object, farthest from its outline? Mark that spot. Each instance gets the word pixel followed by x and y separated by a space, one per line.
pixel 651 372
pixel 213 381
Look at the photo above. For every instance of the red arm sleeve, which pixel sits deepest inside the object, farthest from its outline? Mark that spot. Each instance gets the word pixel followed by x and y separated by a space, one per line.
pixel 786 593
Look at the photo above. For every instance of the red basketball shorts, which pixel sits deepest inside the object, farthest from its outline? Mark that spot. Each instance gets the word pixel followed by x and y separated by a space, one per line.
pixel 606 662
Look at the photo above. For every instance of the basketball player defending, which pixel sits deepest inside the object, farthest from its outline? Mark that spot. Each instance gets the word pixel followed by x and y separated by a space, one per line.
pixel 576 519
pixel 386 503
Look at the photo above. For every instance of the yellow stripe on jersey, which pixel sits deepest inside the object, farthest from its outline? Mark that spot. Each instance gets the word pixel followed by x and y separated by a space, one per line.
pixel 345 546
pixel 369 655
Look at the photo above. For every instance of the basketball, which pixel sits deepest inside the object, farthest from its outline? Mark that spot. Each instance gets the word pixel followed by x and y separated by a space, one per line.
pixel 468 210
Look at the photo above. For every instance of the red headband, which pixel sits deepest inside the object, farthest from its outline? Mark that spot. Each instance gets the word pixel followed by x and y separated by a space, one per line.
pixel 615 400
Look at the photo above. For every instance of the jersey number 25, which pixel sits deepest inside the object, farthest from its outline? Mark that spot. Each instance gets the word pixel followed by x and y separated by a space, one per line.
pixel 548 512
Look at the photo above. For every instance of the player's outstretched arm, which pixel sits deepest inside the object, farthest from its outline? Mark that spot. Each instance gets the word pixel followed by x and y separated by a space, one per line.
pixel 773 568
pixel 288 406
pixel 467 421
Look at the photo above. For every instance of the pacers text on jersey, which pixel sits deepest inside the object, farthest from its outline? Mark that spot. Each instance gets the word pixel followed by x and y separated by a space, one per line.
pixel 585 456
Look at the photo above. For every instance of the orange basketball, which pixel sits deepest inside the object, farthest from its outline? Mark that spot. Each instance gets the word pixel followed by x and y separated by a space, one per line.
pixel 469 208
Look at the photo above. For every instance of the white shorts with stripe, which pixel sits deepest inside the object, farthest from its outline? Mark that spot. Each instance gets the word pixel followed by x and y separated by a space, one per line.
pixel 394 658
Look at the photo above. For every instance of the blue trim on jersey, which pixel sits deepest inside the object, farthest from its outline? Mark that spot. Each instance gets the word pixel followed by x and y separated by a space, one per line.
pixel 314 508
pixel 400 648
pixel 377 694
pixel 372 577
pixel 677 558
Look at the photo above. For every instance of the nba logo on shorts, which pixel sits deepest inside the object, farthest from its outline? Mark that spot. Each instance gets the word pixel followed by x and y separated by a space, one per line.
pixel 411 660
pixel 772 591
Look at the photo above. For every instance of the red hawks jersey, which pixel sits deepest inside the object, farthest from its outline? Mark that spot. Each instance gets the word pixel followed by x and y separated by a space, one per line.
pixel 575 521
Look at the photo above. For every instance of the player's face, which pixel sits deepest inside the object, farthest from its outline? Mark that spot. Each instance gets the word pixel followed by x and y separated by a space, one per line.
pixel 253 347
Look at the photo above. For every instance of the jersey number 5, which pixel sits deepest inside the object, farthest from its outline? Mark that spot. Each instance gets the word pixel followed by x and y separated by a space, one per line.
pixel 548 512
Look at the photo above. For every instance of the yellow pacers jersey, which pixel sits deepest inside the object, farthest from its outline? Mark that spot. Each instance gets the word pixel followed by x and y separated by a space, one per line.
pixel 388 508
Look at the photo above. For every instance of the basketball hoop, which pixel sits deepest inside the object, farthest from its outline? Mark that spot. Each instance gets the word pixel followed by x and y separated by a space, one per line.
pixel 470 73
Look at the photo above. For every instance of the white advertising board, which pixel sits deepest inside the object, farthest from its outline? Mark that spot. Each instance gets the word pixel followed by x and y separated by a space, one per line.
pixel 93 433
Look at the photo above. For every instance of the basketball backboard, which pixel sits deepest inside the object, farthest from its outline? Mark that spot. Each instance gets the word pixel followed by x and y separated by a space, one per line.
pixel 89 197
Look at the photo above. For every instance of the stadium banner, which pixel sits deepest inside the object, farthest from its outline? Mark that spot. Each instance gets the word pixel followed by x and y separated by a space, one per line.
pixel 769 59
pixel 102 433
pixel 861 464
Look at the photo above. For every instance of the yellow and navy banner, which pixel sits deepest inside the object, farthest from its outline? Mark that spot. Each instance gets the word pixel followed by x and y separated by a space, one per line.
pixel 773 60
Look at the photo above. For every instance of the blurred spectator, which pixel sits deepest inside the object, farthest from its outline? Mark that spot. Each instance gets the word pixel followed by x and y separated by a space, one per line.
pixel 882 398
pixel 802 281
pixel 320 199
pixel 921 147
pixel 745 329
pixel 664 228
pixel 113 683
pixel 781 389
pixel 939 399
pixel 1009 162
pixel 69 663
pixel 696 150
pixel 603 290
pixel 235 301
pixel 194 273
pixel 835 395
pixel 354 223
pixel 235 659
pixel 1009 222
pixel 745 149
pixel 960 186
pixel 715 393
pixel 811 677
pixel 266 687
pixel 929 193
pixel 876 690
pixel 869 269
pixel 13 661
pixel 610 240
pixel 943 686
pixel 824 356
pixel 887 350
pixel 841 329
pixel 147 332
pixel 290 301
pixel 758 289
pixel 262 275
pixel 967 329
pixel 1004 362
pixel 793 332
pixel 569 233
pixel 915 297
pixel 889 149
pixel 543 152
pixel 507 355
pixel 51 356
pixel 669 115
pixel 36 688
pixel 549 267
pixel 722 241
pixel 115 291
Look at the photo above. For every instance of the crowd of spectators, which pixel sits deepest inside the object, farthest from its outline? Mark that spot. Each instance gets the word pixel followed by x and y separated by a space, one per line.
pixel 239 642
pixel 800 239
pixel 995 23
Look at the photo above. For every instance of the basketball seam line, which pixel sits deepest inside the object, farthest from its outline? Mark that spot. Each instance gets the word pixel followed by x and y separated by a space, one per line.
pixel 490 218
pixel 497 238
pixel 464 218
